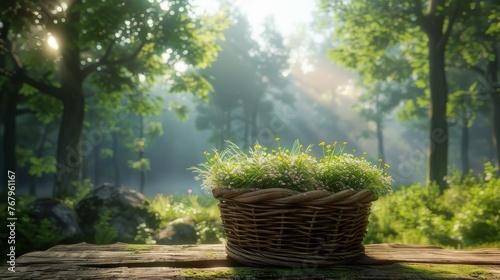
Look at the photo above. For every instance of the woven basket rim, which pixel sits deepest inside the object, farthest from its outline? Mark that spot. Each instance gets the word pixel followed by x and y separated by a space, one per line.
pixel 283 227
pixel 287 196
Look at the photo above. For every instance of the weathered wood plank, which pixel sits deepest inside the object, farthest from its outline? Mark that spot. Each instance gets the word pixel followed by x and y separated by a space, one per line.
pixel 376 254
pixel 124 261
pixel 383 272
pixel 127 254
pixel 396 253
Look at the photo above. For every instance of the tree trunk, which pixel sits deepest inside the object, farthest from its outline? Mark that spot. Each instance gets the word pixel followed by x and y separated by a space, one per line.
pixel 246 124
pixel 437 154
pixel 464 147
pixel 379 127
pixel 496 130
pixel 97 165
pixel 380 139
pixel 141 154
pixel 227 129
pixel 116 166
pixel 254 134
pixel 494 92
pixel 39 154
pixel 69 144
pixel 9 129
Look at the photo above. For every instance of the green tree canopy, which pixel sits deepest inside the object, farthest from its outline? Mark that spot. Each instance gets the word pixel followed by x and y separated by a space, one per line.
pixel 368 35
pixel 57 47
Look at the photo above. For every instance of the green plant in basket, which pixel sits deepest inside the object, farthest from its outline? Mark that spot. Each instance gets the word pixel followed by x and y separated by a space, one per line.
pixel 293 168
pixel 286 207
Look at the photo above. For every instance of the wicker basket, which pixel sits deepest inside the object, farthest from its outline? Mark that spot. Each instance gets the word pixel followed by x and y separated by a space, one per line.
pixel 283 227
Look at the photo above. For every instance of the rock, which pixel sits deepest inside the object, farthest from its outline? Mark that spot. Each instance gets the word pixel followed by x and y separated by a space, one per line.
pixel 59 215
pixel 177 232
pixel 127 210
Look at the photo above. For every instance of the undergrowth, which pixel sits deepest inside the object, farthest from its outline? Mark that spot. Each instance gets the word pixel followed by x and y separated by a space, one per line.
pixel 465 215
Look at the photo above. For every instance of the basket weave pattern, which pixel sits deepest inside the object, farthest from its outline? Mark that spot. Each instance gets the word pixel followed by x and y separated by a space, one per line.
pixel 288 228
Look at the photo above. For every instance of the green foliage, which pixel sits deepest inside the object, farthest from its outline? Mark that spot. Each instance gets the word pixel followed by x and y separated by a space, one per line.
pixel 202 209
pixel 46 108
pixel 144 104
pixel 169 208
pixel 371 37
pixel 191 82
pixel 29 234
pixel 82 189
pixel 142 164
pixel 105 49
pixel 144 235
pixel 464 100
pixel 41 236
pixel 105 233
pixel 160 206
pixel 33 235
pixel 344 172
pixel 139 145
pixel 27 90
pixel 154 129
pixel 494 28
pixel 378 98
pixel 366 35
pixel 106 153
pixel 232 168
pixel 209 232
pixel 43 165
pixel 466 214
pixel 293 169
pixel 180 110
pixel 23 156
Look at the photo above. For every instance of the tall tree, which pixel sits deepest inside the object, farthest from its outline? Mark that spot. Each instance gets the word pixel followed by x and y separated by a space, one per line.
pixel 236 92
pixel 110 42
pixel 480 35
pixel 464 103
pixel 243 97
pixel 147 132
pixel 493 88
pixel 366 30
pixel 377 99
pixel 10 99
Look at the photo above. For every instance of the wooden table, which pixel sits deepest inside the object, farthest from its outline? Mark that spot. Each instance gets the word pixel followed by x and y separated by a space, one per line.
pixel 125 261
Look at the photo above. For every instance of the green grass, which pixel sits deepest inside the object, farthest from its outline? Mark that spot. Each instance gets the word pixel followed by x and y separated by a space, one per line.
pixel 294 168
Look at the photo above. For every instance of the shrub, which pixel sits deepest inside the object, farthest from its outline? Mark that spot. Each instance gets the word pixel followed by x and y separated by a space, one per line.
pixel 29 234
pixel 202 209
pixel 105 233
pixel 467 214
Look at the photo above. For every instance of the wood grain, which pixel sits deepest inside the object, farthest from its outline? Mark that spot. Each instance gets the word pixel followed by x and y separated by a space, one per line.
pixel 125 261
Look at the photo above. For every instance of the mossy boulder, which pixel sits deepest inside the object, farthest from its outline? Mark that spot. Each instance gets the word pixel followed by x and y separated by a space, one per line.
pixel 178 232
pixel 59 215
pixel 127 209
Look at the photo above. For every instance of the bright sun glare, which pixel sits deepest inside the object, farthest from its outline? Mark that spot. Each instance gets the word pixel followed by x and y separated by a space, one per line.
pixel 52 42
pixel 180 66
